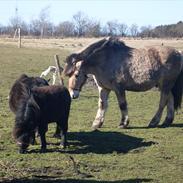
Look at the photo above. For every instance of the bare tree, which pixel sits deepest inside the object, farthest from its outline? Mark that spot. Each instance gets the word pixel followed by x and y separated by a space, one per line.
pixel 80 22
pixel 123 29
pixel 65 29
pixel 93 28
pixel 17 22
pixel 44 20
pixel 145 31
pixel 134 30
pixel 112 27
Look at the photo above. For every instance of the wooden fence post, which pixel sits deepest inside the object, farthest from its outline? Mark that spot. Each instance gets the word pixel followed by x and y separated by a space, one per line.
pixel 19 38
pixel 59 69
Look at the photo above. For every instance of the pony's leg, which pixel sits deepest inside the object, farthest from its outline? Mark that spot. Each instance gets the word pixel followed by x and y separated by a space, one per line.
pixel 123 108
pixel 42 132
pixel 57 132
pixel 157 117
pixel 64 128
pixel 102 107
pixel 170 112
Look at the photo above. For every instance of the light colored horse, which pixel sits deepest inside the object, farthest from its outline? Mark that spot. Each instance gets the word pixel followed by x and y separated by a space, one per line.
pixel 118 67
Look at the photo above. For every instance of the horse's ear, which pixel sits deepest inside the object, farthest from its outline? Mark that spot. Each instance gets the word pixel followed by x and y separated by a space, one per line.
pixel 76 58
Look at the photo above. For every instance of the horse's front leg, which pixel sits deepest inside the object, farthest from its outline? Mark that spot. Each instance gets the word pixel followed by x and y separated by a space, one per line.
pixel 102 107
pixel 123 108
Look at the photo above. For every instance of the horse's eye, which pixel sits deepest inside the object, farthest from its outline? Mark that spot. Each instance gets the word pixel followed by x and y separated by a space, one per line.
pixel 76 75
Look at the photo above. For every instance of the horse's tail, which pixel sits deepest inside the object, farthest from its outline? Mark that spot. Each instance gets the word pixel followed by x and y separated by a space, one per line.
pixel 177 89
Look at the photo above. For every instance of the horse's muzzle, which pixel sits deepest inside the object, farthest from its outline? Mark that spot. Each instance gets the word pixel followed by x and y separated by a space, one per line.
pixel 74 94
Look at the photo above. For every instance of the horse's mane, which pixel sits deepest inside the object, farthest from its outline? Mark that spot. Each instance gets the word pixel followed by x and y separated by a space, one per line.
pixel 85 52
pixel 113 43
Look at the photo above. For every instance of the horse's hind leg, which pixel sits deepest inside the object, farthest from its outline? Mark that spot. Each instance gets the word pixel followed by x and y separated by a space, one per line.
pixel 102 107
pixel 163 102
pixel 123 107
pixel 170 112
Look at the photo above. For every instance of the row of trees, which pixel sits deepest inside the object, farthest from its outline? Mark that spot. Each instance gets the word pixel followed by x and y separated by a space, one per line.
pixel 82 26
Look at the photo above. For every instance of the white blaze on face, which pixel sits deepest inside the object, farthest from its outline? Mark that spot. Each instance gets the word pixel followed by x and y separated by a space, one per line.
pixel 74 93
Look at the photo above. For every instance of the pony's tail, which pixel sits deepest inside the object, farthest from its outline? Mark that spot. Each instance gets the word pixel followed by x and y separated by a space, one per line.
pixel 177 91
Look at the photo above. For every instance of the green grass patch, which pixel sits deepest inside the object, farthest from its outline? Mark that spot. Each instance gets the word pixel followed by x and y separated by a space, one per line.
pixel 109 155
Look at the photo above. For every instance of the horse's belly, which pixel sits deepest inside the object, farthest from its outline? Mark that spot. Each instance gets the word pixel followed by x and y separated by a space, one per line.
pixel 140 87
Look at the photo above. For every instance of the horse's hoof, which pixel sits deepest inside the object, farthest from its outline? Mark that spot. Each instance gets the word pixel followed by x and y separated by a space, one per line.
pixel 165 125
pixel 122 126
pixel 95 126
pixel 152 125
pixel 167 122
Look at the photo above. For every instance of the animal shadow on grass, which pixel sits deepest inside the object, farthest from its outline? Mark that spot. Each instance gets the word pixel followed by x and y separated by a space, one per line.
pixel 99 143
pixel 48 180
pixel 178 125
pixel 104 142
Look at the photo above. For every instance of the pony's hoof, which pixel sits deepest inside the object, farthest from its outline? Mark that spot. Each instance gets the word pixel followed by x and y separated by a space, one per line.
pixel 57 135
pixel 62 146
pixel 43 150
pixel 22 151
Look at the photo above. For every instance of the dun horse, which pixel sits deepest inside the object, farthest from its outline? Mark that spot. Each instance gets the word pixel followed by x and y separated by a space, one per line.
pixel 117 67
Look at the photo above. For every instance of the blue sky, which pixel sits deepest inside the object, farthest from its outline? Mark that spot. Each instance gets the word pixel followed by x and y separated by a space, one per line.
pixel 141 12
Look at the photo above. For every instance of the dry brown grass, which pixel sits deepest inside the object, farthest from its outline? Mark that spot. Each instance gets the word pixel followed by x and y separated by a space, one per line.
pixel 74 44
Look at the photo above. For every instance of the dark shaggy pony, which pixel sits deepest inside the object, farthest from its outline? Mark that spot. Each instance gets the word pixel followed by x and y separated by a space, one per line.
pixel 17 93
pixel 40 106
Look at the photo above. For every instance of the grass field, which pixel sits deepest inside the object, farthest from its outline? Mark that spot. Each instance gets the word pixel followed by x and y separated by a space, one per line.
pixel 109 155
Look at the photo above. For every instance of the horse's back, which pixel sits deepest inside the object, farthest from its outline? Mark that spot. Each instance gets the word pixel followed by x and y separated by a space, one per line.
pixel 147 67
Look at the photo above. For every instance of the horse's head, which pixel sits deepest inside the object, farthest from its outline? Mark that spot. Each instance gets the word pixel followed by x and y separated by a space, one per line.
pixel 77 78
